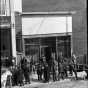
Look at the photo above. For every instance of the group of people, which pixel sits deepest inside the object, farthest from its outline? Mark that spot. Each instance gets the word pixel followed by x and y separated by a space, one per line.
pixel 46 69
pixel 43 70
pixel 66 65
pixel 21 72
pixel 57 69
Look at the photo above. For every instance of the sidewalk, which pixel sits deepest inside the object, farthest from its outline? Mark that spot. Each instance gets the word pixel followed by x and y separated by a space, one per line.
pixel 57 84
pixel 66 83
pixel 34 82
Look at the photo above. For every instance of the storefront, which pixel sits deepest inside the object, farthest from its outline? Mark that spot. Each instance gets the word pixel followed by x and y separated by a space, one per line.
pixel 47 34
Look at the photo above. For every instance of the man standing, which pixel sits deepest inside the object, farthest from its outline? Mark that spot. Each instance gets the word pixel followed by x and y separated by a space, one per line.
pixel 54 69
pixel 60 59
pixel 73 65
pixel 46 70
pixel 25 69
pixel 65 62
pixel 39 70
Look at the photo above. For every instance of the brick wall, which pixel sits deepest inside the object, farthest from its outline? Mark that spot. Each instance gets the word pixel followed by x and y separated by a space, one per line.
pixel 52 5
pixel 79 34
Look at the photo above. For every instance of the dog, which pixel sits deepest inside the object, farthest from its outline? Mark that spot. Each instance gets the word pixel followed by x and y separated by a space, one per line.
pixel 81 75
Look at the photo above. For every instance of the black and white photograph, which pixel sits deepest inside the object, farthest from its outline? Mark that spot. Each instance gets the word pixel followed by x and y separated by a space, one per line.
pixel 43 44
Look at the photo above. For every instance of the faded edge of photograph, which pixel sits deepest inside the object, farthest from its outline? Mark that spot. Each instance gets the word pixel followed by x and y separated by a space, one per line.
pixel 43 44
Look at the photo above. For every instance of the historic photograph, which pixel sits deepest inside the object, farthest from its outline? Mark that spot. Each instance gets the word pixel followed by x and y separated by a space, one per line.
pixel 43 44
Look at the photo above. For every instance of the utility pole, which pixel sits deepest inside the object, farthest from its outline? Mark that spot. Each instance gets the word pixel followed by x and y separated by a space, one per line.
pixel 13 31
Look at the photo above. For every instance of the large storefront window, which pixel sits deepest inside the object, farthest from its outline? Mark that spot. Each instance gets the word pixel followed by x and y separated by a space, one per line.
pixel 64 45
pixel 33 51
pixel 32 48
pixel 48 46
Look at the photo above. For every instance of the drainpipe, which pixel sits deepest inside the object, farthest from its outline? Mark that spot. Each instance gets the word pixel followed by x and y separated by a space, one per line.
pixel 67 34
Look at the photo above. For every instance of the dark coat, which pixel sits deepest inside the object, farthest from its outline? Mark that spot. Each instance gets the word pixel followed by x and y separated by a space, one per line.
pixel 39 68
pixel 61 67
pixel 24 64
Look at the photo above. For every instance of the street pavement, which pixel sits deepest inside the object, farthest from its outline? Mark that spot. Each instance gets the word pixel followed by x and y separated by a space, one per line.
pixel 66 83
pixel 57 84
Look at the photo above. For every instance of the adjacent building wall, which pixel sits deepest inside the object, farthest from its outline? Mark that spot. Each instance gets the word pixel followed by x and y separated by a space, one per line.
pixel 80 32
pixel 18 27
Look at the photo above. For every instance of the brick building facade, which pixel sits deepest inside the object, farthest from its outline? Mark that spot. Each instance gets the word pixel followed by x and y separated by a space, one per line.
pixel 79 27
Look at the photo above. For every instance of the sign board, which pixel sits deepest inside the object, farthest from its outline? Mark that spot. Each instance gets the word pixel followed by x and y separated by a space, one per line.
pixel 46 25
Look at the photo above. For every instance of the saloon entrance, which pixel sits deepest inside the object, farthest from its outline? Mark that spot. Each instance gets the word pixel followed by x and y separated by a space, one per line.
pixel 47 46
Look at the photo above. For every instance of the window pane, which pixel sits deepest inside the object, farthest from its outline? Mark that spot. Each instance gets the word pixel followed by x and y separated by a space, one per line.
pixel 19 44
pixel 2 7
